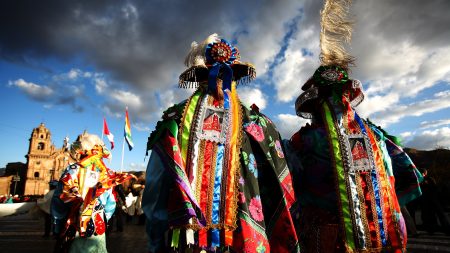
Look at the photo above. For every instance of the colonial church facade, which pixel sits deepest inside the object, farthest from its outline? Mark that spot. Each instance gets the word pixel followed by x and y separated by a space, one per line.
pixel 45 162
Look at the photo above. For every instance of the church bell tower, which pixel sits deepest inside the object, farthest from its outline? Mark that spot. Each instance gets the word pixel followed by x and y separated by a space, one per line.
pixel 40 166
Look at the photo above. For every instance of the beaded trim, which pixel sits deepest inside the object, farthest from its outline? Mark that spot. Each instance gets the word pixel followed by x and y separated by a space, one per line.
pixel 189 78
pixel 363 211
pixel 374 208
pixel 310 94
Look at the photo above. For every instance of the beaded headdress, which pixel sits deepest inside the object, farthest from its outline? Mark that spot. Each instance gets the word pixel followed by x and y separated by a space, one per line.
pixel 215 58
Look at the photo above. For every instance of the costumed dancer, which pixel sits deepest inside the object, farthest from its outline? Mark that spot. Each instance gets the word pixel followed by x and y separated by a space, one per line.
pixel 217 180
pixel 84 201
pixel 342 167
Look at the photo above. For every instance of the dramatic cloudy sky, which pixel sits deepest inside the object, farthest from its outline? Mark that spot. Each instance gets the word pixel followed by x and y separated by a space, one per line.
pixel 68 64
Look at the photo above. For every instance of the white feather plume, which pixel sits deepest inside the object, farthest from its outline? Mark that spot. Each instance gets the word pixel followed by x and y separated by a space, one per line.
pixel 196 56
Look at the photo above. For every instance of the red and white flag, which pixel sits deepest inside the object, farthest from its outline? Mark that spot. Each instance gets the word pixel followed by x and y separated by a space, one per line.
pixel 107 133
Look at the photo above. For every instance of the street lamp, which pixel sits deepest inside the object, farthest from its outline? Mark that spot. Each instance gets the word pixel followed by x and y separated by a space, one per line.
pixel 15 179
pixel 52 175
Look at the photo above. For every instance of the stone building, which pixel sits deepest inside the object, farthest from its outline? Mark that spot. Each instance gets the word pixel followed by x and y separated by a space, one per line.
pixel 13 180
pixel 45 162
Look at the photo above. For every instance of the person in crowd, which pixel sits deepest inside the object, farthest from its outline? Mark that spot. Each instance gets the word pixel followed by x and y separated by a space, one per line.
pixel 342 167
pixel 139 188
pixel 432 210
pixel 83 201
pixel 44 205
pixel 217 180
pixel 119 213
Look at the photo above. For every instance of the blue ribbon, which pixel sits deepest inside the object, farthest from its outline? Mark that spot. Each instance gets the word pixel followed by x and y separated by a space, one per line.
pixel 215 233
pixel 227 71
pixel 376 189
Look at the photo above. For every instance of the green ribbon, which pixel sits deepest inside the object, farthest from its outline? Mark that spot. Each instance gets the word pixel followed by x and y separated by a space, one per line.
pixel 334 140
pixel 175 238
pixel 187 123
pixel 170 125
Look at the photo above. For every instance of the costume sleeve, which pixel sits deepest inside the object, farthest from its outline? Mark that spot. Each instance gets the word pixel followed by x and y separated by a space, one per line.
pixel 70 185
pixel 406 181
pixel 109 202
pixel 154 202
pixel 59 209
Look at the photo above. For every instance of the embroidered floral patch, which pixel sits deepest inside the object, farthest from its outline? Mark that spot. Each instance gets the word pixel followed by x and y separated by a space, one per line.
pixel 256 209
pixel 241 181
pixel 279 149
pixel 255 131
pixel 252 165
pixel 261 248
pixel 242 198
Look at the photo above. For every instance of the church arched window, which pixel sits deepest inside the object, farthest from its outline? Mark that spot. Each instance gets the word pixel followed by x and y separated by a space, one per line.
pixel 36 174
pixel 41 146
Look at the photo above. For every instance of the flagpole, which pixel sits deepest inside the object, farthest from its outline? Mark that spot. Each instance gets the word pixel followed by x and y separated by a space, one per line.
pixel 123 149
pixel 103 128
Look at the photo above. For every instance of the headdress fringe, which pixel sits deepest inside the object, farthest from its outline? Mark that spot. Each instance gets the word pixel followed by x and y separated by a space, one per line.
pixel 336 29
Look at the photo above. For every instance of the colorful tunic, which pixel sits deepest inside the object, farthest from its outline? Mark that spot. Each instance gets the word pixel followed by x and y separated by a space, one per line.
pixel 83 203
pixel 217 180
pixel 344 181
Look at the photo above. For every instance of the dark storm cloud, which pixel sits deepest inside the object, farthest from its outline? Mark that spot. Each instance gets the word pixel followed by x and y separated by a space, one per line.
pixel 140 45
pixel 423 22
pixel 140 42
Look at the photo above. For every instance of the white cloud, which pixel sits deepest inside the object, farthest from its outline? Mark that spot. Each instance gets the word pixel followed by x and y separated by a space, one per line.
pixel 73 73
pixel 142 127
pixel 137 167
pixel 288 124
pixel 126 98
pixel 397 112
pixel 290 74
pixel 405 135
pixel 34 91
pixel 434 123
pixel 100 84
pixel 427 140
pixel 249 96
pixel 377 103
pixel 129 11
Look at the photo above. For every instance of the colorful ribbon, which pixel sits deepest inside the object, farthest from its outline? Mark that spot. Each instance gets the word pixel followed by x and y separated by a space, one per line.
pixel 220 55
pixel 344 201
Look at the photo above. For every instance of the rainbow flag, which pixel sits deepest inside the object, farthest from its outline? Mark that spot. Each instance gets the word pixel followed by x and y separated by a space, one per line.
pixel 127 132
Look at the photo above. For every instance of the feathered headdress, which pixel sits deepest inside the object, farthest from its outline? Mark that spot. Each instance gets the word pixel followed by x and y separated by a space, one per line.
pixel 336 31
pixel 88 144
pixel 332 75
pixel 213 58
